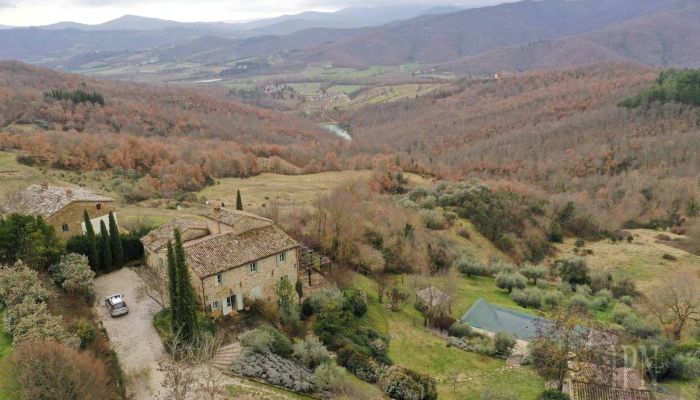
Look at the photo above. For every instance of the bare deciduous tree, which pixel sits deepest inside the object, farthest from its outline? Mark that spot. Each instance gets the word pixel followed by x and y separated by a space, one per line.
pixel 435 300
pixel 675 303
pixel 188 372
pixel 155 284
pixel 562 346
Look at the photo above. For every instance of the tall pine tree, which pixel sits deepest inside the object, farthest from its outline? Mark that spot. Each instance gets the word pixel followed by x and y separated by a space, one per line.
pixel 93 258
pixel 239 202
pixel 172 289
pixel 105 249
pixel 115 242
pixel 187 303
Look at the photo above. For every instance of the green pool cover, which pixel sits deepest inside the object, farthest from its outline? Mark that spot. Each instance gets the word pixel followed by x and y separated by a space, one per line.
pixel 492 318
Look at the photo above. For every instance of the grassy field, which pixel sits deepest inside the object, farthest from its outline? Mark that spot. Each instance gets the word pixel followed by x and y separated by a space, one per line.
pixel 286 190
pixel 642 260
pixel 418 349
pixel 8 384
pixel 257 192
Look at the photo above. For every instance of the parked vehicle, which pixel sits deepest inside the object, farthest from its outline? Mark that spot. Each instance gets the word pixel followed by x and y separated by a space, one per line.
pixel 116 305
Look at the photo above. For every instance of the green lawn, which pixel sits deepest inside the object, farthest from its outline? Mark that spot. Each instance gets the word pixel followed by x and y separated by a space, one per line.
pixel 9 388
pixel 685 389
pixel 418 349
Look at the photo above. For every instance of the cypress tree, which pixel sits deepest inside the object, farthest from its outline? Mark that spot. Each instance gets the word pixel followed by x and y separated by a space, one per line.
pixel 299 287
pixel 187 310
pixel 172 289
pixel 239 202
pixel 105 249
pixel 93 258
pixel 115 242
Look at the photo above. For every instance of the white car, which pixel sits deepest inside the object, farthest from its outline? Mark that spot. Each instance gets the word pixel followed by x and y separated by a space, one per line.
pixel 116 305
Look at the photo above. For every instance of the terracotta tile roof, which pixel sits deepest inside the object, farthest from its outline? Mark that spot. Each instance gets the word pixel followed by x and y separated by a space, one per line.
pixel 594 391
pixel 46 200
pixel 593 382
pixel 211 255
pixel 240 221
pixel 190 229
pixel 619 377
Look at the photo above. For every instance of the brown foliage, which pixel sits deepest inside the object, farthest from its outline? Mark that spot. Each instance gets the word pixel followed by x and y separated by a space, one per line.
pixel 175 139
pixel 560 131
pixel 49 370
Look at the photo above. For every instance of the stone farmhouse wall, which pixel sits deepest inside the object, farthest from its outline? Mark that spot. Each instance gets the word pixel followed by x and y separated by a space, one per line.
pixel 72 217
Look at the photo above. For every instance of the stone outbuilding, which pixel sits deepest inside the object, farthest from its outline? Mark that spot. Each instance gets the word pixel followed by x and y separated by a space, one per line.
pixel 62 207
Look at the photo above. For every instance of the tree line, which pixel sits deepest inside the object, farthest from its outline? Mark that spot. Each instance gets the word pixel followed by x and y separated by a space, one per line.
pixel 76 96
pixel 671 85
pixel 108 249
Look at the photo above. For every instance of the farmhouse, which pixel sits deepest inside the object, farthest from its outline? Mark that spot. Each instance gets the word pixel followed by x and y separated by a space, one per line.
pixel 61 207
pixel 234 257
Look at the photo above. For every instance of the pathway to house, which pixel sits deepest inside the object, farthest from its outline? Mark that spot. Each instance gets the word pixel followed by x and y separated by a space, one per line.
pixel 132 335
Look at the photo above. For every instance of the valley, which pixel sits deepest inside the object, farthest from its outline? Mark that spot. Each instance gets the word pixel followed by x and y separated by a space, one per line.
pixel 407 201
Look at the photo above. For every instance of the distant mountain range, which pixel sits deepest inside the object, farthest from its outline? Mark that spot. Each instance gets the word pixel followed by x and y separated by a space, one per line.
pixel 661 39
pixel 354 17
pixel 447 37
pixel 514 37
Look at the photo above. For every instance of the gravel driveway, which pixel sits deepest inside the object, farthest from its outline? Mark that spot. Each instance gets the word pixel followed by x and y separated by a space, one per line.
pixel 132 335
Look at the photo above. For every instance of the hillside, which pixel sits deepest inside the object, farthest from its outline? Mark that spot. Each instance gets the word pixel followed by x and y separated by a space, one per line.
pixel 520 36
pixel 172 139
pixel 559 132
pixel 441 38
pixel 664 39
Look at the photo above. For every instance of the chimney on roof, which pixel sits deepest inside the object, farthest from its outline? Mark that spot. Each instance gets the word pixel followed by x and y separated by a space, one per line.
pixel 69 192
pixel 44 186
pixel 216 210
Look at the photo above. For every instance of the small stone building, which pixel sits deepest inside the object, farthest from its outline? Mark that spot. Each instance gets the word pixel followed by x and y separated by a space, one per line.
pixel 234 257
pixel 62 207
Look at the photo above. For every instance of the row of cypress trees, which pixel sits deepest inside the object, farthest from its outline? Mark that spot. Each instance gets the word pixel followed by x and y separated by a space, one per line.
pixel 104 251
pixel 183 303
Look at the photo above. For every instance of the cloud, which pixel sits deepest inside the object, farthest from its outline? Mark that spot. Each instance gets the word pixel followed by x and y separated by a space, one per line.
pixel 7 4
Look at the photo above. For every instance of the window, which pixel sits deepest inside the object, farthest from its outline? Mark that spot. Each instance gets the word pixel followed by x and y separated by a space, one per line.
pixel 98 206
pixel 65 227
pixel 219 278
pixel 215 306
pixel 229 301
pixel 281 257
pixel 253 267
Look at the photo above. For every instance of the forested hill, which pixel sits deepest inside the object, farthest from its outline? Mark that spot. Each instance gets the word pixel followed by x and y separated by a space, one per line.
pixel 560 132
pixel 616 28
pixel 173 138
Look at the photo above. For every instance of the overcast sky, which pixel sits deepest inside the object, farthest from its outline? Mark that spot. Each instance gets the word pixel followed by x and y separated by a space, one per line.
pixel 41 12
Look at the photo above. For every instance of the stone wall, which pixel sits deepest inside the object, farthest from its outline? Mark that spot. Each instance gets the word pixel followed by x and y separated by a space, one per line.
pixel 238 281
pixel 72 216
pixel 241 281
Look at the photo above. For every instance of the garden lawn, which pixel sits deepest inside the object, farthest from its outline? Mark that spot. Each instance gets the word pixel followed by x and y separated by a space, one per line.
pixel 460 374
pixel 9 388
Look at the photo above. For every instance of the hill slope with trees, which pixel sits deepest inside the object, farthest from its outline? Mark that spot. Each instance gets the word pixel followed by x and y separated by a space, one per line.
pixel 559 132
pixel 171 139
